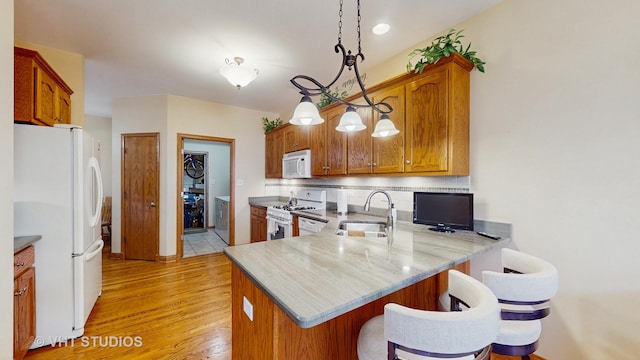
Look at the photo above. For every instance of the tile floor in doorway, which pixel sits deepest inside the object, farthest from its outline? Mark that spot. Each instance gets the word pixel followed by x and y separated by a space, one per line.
pixel 202 243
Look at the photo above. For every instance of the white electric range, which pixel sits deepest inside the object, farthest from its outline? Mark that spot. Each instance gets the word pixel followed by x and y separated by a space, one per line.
pixel 280 218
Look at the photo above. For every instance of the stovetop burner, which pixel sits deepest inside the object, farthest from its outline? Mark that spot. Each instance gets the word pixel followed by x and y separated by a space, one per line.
pixel 288 207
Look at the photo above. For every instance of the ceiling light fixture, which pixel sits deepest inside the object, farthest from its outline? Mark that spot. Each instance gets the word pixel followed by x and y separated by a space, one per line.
pixel 350 121
pixel 238 76
pixel 381 29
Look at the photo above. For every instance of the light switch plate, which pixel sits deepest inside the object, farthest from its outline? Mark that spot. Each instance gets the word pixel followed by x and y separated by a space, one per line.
pixel 247 307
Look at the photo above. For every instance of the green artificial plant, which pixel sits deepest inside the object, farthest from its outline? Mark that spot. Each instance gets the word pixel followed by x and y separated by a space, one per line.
pixel 269 125
pixel 326 100
pixel 444 46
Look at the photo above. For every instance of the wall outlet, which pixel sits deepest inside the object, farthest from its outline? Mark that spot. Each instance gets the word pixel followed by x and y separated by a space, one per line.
pixel 247 307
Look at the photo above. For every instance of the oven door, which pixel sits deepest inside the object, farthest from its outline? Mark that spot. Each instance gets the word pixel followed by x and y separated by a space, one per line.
pixel 278 229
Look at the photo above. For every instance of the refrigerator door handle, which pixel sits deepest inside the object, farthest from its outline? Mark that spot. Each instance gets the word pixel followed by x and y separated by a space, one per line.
pixel 96 218
pixel 99 244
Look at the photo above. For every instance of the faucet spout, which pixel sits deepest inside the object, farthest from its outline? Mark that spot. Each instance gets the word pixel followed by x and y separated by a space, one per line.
pixel 390 216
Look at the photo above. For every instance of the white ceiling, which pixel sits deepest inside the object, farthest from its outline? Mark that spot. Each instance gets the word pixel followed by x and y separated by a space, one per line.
pixel 145 47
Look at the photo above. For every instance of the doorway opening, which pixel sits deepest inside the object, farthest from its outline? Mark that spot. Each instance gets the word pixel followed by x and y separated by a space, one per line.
pixel 205 194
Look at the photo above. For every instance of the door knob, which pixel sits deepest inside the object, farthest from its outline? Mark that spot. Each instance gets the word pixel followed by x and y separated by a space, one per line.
pixel 152 204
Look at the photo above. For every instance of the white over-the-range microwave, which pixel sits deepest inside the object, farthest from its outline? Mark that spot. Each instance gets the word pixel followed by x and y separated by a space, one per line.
pixel 296 165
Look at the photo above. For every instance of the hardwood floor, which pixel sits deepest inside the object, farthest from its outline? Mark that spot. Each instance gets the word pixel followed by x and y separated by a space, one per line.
pixel 154 311
pixel 151 310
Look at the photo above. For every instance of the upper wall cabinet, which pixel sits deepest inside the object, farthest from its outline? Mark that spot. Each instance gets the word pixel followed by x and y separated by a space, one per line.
pixel 41 97
pixel 431 111
pixel 437 120
pixel 274 150
pixel 328 146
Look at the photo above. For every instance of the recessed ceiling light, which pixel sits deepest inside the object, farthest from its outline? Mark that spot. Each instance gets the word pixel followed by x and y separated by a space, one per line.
pixel 381 29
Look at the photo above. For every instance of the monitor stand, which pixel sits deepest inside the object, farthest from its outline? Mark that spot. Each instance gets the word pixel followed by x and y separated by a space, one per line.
pixel 442 228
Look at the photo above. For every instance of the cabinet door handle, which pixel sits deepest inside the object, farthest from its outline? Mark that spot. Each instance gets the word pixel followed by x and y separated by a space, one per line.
pixel 21 292
pixel 369 164
pixel 408 162
pixel 20 263
pixel 374 164
pixel 152 204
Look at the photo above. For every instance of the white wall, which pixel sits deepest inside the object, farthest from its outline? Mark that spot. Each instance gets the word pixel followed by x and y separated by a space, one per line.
pixel 6 179
pixel 100 129
pixel 170 115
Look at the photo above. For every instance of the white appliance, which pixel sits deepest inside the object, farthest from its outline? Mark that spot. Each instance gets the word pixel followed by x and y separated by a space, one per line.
pixel 296 165
pixel 58 195
pixel 280 218
pixel 222 218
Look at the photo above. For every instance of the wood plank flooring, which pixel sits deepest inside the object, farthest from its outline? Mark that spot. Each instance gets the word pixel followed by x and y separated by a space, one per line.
pixel 154 311
pixel 151 310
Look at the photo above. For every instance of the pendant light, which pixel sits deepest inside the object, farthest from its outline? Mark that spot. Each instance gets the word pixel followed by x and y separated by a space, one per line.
pixel 237 75
pixel 385 127
pixel 350 121
pixel 306 113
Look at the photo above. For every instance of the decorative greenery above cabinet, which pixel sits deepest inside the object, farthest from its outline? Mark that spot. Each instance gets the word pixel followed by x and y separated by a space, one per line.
pixel 431 110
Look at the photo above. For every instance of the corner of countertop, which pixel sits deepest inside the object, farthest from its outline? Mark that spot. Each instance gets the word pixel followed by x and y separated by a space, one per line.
pixel 22 242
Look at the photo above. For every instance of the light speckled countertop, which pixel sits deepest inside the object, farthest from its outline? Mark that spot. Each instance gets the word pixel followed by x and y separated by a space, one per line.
pixel 317 277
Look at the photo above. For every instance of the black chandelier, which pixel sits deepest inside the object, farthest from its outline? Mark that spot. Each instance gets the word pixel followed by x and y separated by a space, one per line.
pixel 306 113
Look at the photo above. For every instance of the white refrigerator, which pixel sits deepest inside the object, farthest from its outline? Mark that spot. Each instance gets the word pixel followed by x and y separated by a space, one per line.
pixel 58 195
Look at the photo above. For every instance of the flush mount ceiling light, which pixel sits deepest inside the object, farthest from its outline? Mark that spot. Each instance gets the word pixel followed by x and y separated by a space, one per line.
pixel 350 121
pixel 381 29
pixel 238 76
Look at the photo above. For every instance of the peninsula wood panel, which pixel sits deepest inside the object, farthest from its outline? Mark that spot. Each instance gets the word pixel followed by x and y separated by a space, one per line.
pixel 276 336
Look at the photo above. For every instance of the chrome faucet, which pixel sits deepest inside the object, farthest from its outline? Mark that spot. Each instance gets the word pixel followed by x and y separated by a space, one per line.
pixel 390 213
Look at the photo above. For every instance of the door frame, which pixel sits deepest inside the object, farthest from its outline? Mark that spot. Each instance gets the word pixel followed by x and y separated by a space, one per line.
pixel 180 186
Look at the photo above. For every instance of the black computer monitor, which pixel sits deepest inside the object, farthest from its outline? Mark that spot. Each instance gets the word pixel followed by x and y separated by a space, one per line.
pixel 445 211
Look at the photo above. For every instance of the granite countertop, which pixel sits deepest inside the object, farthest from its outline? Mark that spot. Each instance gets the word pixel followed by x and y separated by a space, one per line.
pixel 21 242
pixel 317 277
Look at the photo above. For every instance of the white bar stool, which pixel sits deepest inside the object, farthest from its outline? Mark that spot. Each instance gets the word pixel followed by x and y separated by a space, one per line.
pixel 523 290
pixel 464 333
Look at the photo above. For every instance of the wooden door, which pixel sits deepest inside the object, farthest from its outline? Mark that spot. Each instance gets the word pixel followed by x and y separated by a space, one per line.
pixel 140 196
pixel 426 125
pixel 336 143
pixel 359 143
pixel 388 152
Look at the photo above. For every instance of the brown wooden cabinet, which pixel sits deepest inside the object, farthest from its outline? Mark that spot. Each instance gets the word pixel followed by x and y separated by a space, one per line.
pixel 431 110
pixel 296 137
pixel 258 224
pixel 437 121
pixel 24 301
pixel 329 146
pixel 41 97
pixel 369 155
pixel 274 149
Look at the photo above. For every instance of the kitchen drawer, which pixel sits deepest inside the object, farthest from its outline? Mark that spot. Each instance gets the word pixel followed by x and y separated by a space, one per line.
pixel 258 211
pixel 23 260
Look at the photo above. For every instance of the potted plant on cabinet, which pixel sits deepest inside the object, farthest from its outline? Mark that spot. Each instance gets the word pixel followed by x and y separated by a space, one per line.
pixel 269 125
pixel 443 46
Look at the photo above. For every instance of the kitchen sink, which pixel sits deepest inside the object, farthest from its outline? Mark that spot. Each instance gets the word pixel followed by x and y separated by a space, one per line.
pixel 362 228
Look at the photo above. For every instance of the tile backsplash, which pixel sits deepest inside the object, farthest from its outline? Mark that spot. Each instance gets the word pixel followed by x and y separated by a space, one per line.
pixel 358 188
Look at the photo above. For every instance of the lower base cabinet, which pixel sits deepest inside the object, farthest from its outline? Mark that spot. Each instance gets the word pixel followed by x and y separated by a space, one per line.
pixel 258 224
pixel 271 334
pixel 24 301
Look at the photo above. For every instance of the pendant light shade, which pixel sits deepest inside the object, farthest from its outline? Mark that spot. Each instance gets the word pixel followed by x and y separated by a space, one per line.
pixel 385 127
pixel 306 113
pixel 238 76
pixel 350 121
